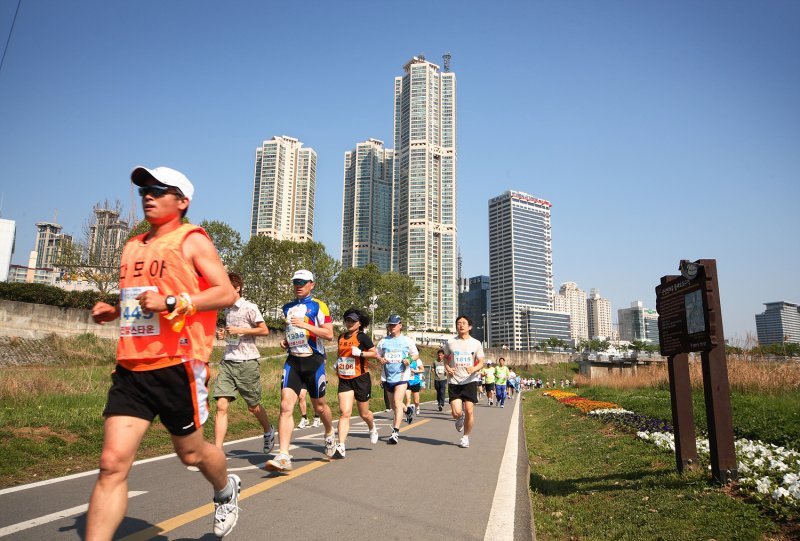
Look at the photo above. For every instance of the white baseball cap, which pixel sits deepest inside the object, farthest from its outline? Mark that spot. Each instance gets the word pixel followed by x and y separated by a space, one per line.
pixel 303 275
pixel 164 175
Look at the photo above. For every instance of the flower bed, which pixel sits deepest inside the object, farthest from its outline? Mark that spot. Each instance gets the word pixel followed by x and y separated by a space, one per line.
pixel 768 474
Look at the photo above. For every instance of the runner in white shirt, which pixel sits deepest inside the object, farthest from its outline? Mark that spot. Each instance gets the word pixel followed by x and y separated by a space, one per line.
pixel 464 363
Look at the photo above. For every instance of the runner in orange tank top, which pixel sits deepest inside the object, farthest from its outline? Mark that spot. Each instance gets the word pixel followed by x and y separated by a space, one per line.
pixel 171 284
pixel 355 382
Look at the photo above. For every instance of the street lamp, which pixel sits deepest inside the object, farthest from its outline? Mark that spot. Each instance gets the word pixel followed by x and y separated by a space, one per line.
pixel 485 332
pixel 372 306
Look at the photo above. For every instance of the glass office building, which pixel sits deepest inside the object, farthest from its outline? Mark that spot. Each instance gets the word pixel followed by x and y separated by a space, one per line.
pixel 521 273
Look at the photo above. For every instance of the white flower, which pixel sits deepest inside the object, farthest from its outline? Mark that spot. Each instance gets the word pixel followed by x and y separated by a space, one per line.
pixel 763 485
pixel 779 493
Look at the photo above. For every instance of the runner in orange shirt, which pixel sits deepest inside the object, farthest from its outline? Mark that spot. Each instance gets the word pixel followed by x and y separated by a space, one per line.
pixel 172 282
pixel 355 381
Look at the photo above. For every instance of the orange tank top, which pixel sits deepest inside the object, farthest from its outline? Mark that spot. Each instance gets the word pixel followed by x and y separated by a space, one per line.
pixel 349 367
pixel 147 341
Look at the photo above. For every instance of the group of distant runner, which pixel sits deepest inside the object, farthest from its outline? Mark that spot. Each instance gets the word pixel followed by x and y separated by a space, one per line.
pixel 172 282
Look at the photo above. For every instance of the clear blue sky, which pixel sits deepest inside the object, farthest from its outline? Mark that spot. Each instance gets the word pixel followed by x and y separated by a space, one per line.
pixel 659 130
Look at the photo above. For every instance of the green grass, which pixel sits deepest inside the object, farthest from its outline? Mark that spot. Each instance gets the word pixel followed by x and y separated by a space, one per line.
pixel 589 481
pixel 770 418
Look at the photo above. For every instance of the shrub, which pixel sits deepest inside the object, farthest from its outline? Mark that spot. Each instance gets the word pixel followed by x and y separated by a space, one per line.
pixel 53 296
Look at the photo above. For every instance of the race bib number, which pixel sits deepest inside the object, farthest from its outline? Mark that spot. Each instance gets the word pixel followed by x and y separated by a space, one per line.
pixel 133 321
pixel 440 371
pixel 463 359
pixel 296 338
pixel 395 356
pixel 346 366
pixel 233 339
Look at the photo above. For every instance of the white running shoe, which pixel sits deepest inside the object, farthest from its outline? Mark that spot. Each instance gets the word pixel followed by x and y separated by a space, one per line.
pixel 339 451
pixel 502 405
pixel 416 410
pixel 269 440
pixel 464 442
pixel 227 513
pixel 316 423
pixel 394 437
pixel 460 423
pixel 303 423
pixel 281 462
pixel 373 435
pixel 330 445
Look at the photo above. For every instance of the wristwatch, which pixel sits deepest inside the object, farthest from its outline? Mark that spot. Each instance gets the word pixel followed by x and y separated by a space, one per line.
pixel 171 303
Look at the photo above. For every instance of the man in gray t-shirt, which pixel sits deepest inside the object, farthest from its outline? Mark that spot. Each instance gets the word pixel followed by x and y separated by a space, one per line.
pixel 464 361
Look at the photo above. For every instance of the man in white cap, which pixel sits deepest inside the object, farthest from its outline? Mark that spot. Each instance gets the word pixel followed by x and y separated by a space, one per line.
pixel 308 325
pixel 172 283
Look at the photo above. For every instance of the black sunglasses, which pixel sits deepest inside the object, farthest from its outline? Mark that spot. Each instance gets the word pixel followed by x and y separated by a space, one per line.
pixel 300 282
pixel 158 191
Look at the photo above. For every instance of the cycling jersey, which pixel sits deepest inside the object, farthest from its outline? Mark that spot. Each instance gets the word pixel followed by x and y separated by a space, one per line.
pixel 303 343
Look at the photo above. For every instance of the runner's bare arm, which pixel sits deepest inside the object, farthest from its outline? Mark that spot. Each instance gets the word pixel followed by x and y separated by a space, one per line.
pixel 201 252
pixel 103 312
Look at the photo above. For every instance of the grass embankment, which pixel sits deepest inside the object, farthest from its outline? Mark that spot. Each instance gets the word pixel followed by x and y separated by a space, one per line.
pixel 51 413
pixel 591 481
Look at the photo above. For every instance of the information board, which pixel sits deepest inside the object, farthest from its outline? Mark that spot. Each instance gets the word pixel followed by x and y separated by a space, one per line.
pixel 683 313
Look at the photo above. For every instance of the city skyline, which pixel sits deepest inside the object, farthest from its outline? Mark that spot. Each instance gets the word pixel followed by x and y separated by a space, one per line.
pixel 659 132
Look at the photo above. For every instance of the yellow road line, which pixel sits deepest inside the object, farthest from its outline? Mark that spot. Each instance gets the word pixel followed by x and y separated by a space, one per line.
pixel 190 516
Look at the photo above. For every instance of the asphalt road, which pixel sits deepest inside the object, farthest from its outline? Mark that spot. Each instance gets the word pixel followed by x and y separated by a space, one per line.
pixel 426 487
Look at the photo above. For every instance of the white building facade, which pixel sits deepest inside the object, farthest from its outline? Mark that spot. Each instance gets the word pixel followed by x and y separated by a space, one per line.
pixel 573 301
pixel 598 314
pixel 284 184
pixel 424 244
pixel 8 232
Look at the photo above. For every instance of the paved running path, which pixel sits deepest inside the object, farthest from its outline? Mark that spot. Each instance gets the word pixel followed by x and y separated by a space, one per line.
pixel 426 487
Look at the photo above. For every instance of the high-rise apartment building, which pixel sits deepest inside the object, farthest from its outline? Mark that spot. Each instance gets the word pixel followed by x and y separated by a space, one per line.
pixel 598 314
pixel 8 231
pixel 284 182
pixel 572 299
pixel 367 206
pixel 425 187
pixel 779 323
pixel 473 302
pixel 49 240
pixel 107 236
pixel 521 273
pixel 638 323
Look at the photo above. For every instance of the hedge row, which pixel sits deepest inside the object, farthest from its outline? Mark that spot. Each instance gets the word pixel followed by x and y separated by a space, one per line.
pixel 53 296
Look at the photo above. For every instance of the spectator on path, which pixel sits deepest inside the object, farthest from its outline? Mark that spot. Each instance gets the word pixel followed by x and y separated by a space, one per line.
pixel 172 283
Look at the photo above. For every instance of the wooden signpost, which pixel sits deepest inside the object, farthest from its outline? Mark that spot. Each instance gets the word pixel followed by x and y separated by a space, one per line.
pixel 690 320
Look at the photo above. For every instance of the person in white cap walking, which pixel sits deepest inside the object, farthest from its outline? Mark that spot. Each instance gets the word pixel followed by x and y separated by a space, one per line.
pixel 464 362
pixel 308 324
pixel 172 283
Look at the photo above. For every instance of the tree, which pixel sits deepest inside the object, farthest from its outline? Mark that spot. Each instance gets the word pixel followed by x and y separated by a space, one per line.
pixel 267 266
pixel 354 287
pixel 227 240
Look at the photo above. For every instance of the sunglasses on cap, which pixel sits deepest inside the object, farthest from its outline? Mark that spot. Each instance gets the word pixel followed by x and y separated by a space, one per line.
pixel 299 282
pixel 157 190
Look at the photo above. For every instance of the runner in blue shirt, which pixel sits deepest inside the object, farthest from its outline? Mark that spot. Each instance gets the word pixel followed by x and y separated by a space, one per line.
pixel 395 353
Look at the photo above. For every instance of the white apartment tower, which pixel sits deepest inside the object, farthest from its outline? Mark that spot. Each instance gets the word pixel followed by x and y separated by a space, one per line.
pixel 424 240
pixel 283 190
pixel 574 302
pixel 521 273
pixel 8 235
pixel 367 206
pixel 598 312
